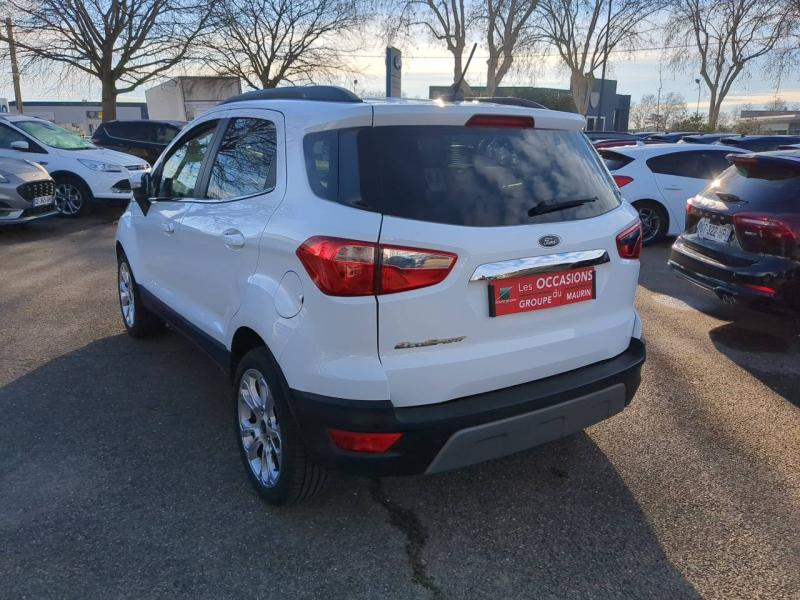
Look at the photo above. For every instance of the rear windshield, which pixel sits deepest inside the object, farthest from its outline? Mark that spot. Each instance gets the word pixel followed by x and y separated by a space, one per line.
pixel 482 177
pixel 761 182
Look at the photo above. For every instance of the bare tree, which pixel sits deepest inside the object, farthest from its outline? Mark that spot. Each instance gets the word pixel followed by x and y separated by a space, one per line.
pixel 267 42
pixel 446 21
pixel 123 43
pixel 659 114
pixel 726 37
pixel 578 30
pixel 508 30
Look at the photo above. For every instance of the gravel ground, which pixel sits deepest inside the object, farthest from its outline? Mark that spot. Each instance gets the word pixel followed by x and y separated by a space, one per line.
pixel 119 474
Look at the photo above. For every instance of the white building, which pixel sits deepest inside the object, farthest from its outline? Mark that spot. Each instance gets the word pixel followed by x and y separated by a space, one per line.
pixel 773 121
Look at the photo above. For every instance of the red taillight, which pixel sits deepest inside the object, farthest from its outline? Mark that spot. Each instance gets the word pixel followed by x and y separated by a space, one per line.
pixel 622 180
pixel 629 242
pixel 355 441
pixel 767 233
pixel 500 121
pixel 404 269
pixel 692 210
pixel 342 267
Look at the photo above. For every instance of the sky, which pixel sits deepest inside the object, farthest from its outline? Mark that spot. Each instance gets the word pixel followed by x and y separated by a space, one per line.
pixel 427 64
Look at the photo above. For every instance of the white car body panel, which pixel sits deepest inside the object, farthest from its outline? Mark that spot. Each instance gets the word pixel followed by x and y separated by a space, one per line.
pixel 502 351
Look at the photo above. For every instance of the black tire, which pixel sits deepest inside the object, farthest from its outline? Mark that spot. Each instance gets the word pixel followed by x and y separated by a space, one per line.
pixel 141 322
pixel 298 478
pixel 73 197
pixel 654 220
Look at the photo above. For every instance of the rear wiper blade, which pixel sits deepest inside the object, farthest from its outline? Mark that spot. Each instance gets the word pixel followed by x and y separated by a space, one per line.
pixel 543 208
pixel 729 197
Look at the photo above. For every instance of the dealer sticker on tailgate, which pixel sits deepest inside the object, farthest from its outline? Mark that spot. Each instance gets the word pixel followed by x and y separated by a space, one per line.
pixel 545 290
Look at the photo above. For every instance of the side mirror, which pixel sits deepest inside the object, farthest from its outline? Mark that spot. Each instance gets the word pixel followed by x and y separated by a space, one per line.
pixel 141 192
pixel 22 146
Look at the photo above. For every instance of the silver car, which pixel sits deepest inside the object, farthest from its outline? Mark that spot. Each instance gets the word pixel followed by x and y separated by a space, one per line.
pixel 26 192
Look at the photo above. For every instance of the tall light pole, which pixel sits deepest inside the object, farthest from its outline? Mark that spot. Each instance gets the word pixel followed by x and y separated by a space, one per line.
pixel 697 111
pixel 12 53
pixel 603 75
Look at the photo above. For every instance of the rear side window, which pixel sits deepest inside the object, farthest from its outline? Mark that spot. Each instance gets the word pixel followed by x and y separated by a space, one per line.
pixel 473 176
pixel 615 160
pixel 245 162
pixel 714 163
pixel 681 164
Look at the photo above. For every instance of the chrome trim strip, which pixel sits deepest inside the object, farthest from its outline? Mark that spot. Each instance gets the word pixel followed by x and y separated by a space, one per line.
pixel 521 267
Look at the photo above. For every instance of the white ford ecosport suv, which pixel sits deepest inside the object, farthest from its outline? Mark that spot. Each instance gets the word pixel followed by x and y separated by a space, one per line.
pixel 394 287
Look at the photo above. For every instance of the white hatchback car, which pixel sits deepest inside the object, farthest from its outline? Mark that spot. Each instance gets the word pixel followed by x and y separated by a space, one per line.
pixel 83 172
pixel 658 179
pixel 394 287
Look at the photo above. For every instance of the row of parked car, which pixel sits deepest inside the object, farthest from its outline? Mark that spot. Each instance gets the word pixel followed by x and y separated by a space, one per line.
pixel 658 172
pixel 46 170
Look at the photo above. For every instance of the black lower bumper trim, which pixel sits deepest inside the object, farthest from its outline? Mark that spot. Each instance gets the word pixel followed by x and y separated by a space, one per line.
pixel 427 429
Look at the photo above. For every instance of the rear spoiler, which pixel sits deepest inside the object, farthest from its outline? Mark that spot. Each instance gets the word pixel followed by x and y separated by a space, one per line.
pixel 785 159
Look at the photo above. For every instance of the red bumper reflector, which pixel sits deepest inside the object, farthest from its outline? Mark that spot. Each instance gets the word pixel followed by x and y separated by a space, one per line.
pixel 760 288
pixel 355 441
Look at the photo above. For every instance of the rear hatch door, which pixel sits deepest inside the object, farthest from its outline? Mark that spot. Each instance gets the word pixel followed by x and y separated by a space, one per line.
pixel 486 193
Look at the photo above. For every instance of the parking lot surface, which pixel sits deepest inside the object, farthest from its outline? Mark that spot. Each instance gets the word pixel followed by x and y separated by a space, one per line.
pixel 120 478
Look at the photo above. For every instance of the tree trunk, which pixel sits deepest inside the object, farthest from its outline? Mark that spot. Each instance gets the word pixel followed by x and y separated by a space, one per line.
pixel 581 87
pixel 491 77
pixel 457 63
pixel 713 111
pixel 109 100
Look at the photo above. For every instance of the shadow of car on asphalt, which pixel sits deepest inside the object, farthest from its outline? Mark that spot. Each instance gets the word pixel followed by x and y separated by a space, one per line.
pixel 119 459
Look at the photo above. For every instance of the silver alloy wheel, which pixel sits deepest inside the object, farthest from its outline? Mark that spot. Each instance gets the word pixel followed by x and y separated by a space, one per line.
pixel 651 223
pixel 259 429
pixel 68 199
pixel 126 294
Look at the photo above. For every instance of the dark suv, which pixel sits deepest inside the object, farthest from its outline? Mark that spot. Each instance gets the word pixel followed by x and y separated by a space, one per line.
pixel 742 238
pixel 145 139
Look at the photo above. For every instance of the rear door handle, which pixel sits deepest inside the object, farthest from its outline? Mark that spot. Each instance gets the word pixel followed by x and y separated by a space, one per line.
pixel 168 227
pixel 233 238
pixel 673 188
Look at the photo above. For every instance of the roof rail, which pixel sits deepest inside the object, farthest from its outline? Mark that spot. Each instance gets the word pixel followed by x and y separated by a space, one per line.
pixel 509 100
pixel 318 93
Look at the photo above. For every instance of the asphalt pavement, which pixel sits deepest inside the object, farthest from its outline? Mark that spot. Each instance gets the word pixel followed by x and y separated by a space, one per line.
pixel 119 473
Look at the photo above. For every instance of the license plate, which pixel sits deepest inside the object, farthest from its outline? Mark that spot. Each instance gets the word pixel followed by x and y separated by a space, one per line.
pixel 716 233
pixel 545 290
pixel 42 201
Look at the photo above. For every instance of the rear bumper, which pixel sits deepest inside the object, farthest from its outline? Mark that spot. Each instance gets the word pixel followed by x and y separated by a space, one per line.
pixel 735 283
pixel 469 430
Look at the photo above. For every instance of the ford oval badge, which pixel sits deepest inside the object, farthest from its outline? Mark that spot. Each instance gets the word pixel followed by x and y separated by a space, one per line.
pixel 548 241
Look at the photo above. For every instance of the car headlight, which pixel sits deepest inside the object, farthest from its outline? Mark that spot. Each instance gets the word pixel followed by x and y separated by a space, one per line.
pixel 98 165
pixel 3 178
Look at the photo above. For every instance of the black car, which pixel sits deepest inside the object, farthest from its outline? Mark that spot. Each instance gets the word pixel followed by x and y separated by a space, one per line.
pixel 760 143
pixel 704 138
pixel 742 238
pixel 611 135
pixel 145 139
pixel 672 137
